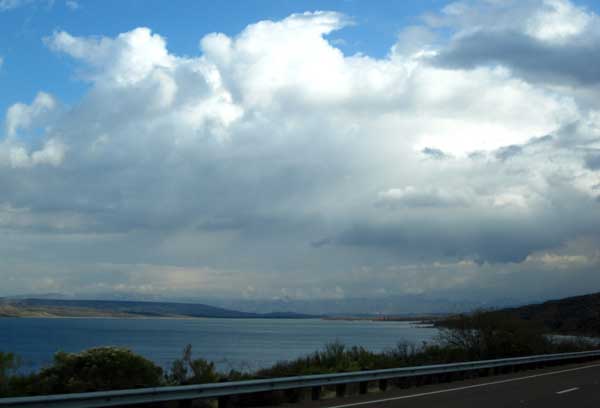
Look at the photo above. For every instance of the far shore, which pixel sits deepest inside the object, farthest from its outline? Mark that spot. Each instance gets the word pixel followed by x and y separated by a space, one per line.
pixel 425 319
pixel 425 323
pixel 65 313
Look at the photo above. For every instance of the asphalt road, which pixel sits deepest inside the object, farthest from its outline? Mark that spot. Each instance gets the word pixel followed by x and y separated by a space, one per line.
pixel 573 386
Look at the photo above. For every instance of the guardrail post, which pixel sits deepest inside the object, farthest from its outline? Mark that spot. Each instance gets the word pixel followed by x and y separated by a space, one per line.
pixel 223 401
pixel 185 404
pixel 363 387
pixel 383 385
pixel 292 395
pixel 401 383
pixel 315 393
pixel 340 390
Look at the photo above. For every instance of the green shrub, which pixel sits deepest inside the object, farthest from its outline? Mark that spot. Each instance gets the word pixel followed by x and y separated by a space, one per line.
pixel 98 369
pixel 8 365
pixel 192 371
pixel 484 335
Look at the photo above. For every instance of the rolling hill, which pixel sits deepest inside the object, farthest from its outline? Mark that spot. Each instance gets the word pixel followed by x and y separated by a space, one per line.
pixel 578 315
pixel 33 307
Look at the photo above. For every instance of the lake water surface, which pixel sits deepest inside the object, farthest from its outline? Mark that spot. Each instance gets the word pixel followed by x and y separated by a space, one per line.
pixel 231 343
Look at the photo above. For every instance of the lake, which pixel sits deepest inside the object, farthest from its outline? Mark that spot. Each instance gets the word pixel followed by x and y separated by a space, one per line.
pixel 243 344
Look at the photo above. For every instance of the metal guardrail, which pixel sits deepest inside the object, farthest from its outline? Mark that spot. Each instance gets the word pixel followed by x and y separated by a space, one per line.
pixel 219 390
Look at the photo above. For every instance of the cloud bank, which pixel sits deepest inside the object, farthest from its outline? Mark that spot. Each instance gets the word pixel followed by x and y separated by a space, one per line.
pixel 273 165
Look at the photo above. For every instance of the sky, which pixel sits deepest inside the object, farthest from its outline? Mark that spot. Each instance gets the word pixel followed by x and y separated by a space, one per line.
pixel 308 151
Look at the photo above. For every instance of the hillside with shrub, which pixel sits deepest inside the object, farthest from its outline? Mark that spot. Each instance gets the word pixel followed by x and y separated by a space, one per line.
pixel 578 315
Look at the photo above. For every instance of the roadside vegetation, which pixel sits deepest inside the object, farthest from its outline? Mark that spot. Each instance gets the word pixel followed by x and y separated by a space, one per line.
pixel 578 315
pixel 97 369
pixel 470 337
pixel 479 336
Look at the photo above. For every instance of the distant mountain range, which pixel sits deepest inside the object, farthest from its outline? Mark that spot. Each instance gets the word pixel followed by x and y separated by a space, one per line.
pixel 390 305
pixel 35 307
pixel 569 315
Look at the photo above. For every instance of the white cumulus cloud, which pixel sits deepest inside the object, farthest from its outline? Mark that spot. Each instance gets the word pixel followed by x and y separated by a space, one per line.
pixel 272 160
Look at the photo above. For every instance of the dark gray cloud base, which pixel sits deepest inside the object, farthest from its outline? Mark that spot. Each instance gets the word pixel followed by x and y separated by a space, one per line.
pixel 528 57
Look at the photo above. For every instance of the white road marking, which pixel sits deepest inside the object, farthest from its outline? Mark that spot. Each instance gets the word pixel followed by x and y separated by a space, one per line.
pixel 568 390
pixel 423 394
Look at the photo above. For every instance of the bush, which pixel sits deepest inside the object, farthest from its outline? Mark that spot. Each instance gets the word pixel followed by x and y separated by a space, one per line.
pixel 97 369
pixel 484 335
pixel 8 365
pixel 334 357
pixel 189 371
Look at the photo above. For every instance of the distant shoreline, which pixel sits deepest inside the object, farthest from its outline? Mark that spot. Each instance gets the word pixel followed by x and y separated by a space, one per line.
pixel 61 308
pixel 105 317
pixel 425 319
pixel 420 322
pixel 10 311
pixel 52 315
pixel 71 308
